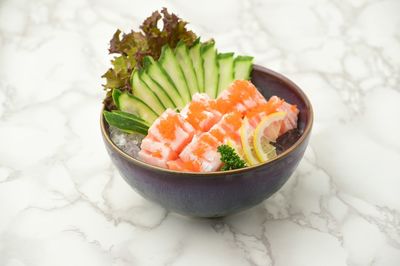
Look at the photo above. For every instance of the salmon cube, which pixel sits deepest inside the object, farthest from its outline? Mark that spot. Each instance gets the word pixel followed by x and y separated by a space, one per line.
pixel 232 121
pixel 248 91
pixel 272 132
pixel 241 96
pixel 188 128
pixel 156 153
pixel 171 129
pixel 201 97
pixel 290 121
pixel 200 113
pixel 179 165
pixel 149 158
pixel 227 127
pixel 255 115
pixel 250 103
pixel 158 149
pixel 211 166
pixel 202 151
pixel 218 132
pixel 176 165
pixel 226 102
pixel 274 104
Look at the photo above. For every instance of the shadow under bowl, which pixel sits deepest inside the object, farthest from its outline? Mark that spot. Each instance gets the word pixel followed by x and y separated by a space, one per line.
pixel 218 194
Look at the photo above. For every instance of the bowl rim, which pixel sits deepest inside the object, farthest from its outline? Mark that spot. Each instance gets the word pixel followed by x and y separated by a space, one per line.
pixel 281 156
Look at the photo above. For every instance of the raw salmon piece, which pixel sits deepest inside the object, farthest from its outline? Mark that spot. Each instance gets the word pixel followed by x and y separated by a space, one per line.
pixel 290 121
pixel 201 97
pixel 274 104
pixel 246 93
pixel 255 115
pixel 250 103
pixel 218 132
pixel 212 166
pixel 202 121
pixel 240 96
pixel 155 152
pixel 179 165
pixel 226 103
pixel 202 152
pixel 158 149
pixel 176 165
pixel 171 129
pixel 200 112
pixel 272 132
pixel 227 127
pixel 207 101
pixel 232 121
pixel 149 158
pixel 188 128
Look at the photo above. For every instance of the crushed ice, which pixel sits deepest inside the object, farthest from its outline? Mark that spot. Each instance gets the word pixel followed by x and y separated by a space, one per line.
pixel 129 143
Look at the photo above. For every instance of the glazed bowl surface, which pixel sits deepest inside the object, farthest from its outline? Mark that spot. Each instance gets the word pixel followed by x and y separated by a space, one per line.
pixel 220 193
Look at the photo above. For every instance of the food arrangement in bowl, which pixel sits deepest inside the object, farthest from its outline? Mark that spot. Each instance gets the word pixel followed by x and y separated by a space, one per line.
pixel 176 107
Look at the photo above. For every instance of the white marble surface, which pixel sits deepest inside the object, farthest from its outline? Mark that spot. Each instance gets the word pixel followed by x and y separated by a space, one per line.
pixel 63 203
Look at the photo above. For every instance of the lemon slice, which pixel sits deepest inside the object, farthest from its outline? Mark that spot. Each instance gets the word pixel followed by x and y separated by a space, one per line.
pixel 266 152
pixel 246 136
pixel 238 149
pixel 263 149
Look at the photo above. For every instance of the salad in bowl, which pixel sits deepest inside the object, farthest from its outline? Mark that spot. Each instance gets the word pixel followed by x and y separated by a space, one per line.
pixel 192 107
pixel 202 132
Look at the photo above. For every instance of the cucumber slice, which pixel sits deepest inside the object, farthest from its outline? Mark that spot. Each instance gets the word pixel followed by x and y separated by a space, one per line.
pixel 143 92
pixel 225 63
pixel 210 65
pixel 126 102
pixel 171 66
pixel 157 89
pixel 182 56
pixel 158 74
pixel 243 66
pixel 197 61
pixel 124 123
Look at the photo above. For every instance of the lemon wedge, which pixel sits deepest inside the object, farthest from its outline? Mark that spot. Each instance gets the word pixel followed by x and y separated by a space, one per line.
pixel 246 136
pixel 263 149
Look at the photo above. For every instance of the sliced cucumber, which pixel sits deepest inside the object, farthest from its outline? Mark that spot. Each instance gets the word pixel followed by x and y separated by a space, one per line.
pixel 171 66
pixel 210 65
pixel 243 66
pixel 124 122
pixel 129 103
pixel 143 92
pixel 197 61
pixel 157 89
pixel 157 73
pixel 182 56
pixel 225 63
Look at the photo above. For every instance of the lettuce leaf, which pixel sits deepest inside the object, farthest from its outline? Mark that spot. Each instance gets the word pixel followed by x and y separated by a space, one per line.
pixel 130 48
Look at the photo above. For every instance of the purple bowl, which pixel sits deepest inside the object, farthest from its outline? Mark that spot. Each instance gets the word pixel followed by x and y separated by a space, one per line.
pixel 220 193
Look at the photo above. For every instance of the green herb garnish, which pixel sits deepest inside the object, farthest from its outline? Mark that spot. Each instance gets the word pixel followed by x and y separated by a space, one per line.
pixel 230 158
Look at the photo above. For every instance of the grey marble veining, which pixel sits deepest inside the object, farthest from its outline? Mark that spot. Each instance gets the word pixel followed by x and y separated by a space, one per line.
pixel 63 203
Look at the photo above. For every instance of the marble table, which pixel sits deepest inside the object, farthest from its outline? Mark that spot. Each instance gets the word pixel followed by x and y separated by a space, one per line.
pixel 62 203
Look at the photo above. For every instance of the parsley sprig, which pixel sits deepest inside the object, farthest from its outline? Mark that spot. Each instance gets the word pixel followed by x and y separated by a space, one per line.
pixel 230 158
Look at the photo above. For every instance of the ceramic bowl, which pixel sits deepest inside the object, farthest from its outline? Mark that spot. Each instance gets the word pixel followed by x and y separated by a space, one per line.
pixel 220 193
